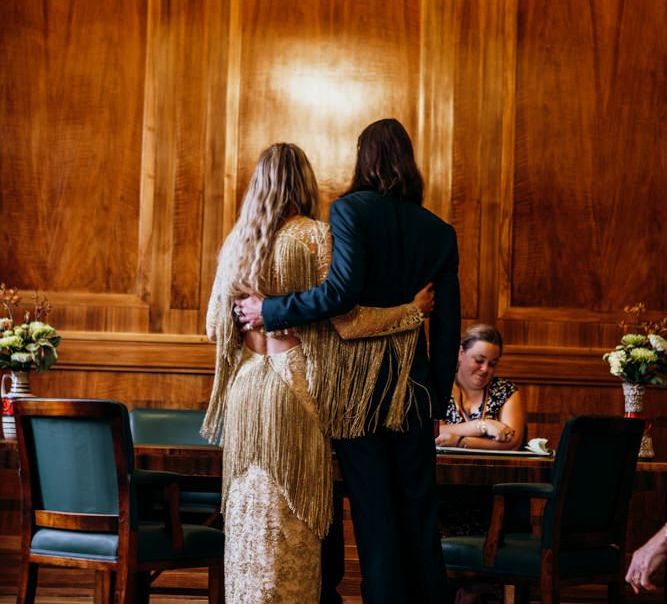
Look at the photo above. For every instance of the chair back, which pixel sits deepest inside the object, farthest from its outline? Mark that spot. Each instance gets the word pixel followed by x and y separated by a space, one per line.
pixel 592 479
pixel 75 458
pixel 167 426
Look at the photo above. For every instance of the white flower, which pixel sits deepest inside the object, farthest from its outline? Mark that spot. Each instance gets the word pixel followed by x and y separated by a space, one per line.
pixel 22 357
pixel 658 342
pixel 616 362
pixel 11 342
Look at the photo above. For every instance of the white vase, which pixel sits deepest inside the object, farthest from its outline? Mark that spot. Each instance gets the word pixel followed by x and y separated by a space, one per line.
pixel 20 388
pixel 634 407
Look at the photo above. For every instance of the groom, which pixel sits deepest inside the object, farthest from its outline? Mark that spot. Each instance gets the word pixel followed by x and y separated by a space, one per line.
pixel 386 248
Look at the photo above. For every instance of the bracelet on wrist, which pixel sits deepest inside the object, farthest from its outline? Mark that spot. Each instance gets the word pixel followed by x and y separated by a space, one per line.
pixel 459 440
pixel 481 426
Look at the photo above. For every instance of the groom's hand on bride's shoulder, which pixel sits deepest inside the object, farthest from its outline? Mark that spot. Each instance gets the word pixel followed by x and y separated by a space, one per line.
pixel 249 310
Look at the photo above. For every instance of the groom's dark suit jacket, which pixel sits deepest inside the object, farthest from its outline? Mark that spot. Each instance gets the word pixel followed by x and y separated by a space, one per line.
pixel 385 251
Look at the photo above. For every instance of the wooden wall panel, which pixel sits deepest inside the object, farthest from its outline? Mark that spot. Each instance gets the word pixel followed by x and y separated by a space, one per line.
pixel 184 104
pixel 317 73
pixel 478 106
pixel 71 75
pixel 590 89
pixel 144 387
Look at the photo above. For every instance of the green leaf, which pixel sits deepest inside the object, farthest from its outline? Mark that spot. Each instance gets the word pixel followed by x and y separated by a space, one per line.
pixel 47 358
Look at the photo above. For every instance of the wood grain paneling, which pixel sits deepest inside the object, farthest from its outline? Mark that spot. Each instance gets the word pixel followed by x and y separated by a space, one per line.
pixel 316 73
pixel 480 64
pixel 436 103
pixel 183 106
pixel 590 155
pixel 71 76
pixel 141 387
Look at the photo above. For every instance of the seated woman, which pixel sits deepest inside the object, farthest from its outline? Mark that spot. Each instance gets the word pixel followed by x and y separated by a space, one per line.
pixel 484 411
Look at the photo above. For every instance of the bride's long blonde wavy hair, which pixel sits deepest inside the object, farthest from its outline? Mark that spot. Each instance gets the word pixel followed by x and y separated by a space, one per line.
pixel 283 185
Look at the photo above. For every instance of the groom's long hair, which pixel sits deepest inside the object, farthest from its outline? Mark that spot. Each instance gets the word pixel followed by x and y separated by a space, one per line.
pixel 386 163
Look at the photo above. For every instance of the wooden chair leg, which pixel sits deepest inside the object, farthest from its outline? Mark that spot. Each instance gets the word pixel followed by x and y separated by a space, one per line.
pixel 216 584
pixel 27 582
pixel 142 587
pixel 550 593
pixel 124 586
pixel 549 588
pixel 104 586
pixel 509 594
pixel 616 592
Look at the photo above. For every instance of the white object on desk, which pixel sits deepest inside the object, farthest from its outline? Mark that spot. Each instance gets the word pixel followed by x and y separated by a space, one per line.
pixel 538 446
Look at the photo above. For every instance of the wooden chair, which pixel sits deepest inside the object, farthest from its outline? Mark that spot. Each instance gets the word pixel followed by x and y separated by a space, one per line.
pixel 180 427
pixel 584 522
pixel 79 496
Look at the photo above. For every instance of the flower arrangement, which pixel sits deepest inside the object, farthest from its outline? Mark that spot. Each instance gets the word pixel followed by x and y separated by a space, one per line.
pixel 29 342
pixel 640 358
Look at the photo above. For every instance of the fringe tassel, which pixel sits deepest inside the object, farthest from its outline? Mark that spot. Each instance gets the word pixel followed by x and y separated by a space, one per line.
pixel 404 346
pixel 271 427
pixel 343 376
pixel 227 345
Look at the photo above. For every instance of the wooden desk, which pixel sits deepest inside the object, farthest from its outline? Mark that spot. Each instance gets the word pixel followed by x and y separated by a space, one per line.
pixel 475 469
pixel 647 507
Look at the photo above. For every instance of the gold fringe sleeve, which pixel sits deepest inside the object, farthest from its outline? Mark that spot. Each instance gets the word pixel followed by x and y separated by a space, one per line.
pixel 220 326
pixel 370 321
pixel 344 374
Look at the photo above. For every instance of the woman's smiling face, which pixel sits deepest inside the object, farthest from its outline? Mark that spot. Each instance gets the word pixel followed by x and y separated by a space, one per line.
pixel 477 365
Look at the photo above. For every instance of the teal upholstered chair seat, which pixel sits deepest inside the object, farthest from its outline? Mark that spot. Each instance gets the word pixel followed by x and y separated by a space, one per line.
pixel 582 538
pixel 75 544
pixel 520 556
pixel 154 543
pixel 80 496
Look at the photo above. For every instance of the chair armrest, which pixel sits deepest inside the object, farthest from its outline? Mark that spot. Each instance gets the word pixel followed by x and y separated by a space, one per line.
pixel 537 490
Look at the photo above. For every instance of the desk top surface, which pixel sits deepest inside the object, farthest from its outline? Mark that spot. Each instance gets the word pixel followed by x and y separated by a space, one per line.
pixel 459 459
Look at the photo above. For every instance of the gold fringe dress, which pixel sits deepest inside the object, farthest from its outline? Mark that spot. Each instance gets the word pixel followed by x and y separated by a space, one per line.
pixel 273 415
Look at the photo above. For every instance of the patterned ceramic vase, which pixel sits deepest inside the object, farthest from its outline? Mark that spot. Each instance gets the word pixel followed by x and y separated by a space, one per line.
pixel 20 388
pixel 634 406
